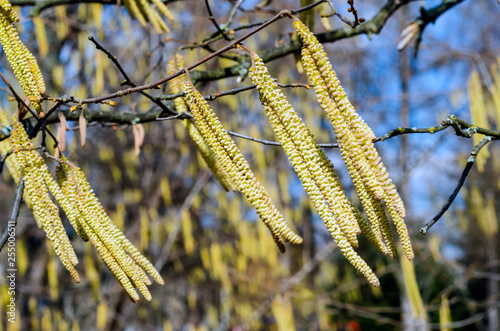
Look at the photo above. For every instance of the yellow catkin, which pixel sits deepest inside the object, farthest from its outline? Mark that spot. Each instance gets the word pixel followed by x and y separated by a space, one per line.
pixel 134 11
pixel 143 12
pixel 248 187
pixel 21 60
pixel 69 191
pixel 176 85
pixel 355 137
pixel 163 9
pixel 235 164
pixel 307 161
pixel 35 174
pixel 321 169
pixel 6 147
pixel 122 258
pixel 356 124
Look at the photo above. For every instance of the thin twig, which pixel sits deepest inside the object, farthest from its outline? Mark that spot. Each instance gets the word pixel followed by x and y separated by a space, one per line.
pixel 182 115
pixel 274 143
pixel 17 97
pixel 38 125
pixel 11 225
pixel 430 16
pixel 305 8
pixel 468 166
pixel 216 35
pixel 212 19
pixel 280 15
pixel 354 11
pixel 402 131
pixel 213 96
pixel 127 80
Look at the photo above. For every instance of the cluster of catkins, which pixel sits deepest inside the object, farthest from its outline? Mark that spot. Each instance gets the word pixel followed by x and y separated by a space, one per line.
pixel 20 58
pixel 71 190
pixel 370 177
pixel 85 213
pixel 316 172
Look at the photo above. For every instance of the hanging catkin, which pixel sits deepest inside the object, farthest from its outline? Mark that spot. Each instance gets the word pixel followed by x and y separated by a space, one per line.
pixel 36 175
pixel 176 85
pixel 20 58
pixel 369 175
pixel 234 163
pixel 121 257
pixel 313 168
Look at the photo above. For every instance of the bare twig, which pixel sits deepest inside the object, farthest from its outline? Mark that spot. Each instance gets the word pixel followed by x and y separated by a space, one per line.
pixel 430 16
pixel 468 166
pixel 127 80
pixel 274 143
pixel 15 213
pixel 154 85
pixel 17 97
pixel 175 117
pixel 213 96
pixel 214 21
pixel 233 12
pixel 38 125
pixel 23 104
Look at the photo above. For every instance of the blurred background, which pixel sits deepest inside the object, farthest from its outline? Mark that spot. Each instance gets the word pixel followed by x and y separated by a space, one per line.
pixel 221 268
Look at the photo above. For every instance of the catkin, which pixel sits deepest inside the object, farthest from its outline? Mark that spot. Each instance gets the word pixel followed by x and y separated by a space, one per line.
pixel 144 12
pixel 321 168
pixel 35 174
pixel 313 168
pixel 369 175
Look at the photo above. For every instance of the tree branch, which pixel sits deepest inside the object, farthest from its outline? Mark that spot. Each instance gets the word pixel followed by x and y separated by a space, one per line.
pixel 430 16
pixel 468 167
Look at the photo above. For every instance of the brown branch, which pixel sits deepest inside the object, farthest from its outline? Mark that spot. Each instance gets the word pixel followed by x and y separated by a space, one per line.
pixel 461 181
pixel 194 78
pixel 430 16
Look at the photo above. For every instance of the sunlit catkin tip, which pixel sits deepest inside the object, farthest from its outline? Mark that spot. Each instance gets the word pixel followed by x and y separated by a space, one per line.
pixel 374 281
pixel 144 290
pixel 159 280
pixel 402 233
pixel 292 237
pixel 132 295
pixel 75 275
